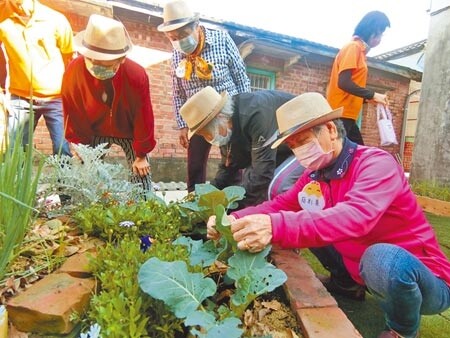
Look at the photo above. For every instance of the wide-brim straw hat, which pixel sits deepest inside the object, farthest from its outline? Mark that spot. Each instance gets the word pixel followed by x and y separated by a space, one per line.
pixel 201 108
pixel 176 14
pixel 301 113
pixel 103 39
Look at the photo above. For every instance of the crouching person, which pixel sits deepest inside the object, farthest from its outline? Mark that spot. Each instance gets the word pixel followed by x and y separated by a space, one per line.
pixel 355 200
pixel 240 125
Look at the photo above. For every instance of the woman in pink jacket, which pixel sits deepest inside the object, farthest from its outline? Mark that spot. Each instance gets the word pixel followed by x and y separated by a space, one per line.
pixel 355 200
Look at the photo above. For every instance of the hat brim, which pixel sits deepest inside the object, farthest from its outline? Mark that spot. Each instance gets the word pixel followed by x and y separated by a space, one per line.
pixel 214 112
pixel 95 55
pixel 334 114
pixel 176 24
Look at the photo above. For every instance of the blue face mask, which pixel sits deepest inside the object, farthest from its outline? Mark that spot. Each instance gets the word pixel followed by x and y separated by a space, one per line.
pixel 101 72
pixel 186 45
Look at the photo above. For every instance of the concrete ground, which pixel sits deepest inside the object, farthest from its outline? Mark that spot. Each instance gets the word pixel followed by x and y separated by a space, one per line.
pixel 172 196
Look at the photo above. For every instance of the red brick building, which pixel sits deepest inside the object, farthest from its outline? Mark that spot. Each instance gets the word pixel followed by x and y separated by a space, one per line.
pixel 273 61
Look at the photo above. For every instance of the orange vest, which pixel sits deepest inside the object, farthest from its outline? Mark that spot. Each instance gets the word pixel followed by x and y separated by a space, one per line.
pixel 351 56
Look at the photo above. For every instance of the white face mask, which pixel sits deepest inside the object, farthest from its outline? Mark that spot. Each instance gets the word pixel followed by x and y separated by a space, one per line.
pixel 220 140
pixel 186 45
pixel 312 156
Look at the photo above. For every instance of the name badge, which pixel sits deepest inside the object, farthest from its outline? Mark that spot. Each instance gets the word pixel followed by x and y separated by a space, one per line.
pixel 180 71
pixel 311 197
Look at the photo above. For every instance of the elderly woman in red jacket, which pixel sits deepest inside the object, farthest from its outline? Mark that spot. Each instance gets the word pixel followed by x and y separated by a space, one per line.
pixel 356 200
pixel 106 97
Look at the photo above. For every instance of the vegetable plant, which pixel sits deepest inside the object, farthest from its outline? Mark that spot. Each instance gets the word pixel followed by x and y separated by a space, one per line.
pixel 191 294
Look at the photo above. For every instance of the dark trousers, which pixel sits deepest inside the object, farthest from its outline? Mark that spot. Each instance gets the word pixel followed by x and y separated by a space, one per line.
pixel 198 153
pixel 352 130
pixel 332 261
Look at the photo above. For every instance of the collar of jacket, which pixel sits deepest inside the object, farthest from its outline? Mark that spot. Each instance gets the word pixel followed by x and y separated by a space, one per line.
pixel 340 166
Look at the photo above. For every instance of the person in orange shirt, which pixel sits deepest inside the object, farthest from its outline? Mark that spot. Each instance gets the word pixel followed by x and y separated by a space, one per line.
pixel 347 86
pixel 38 46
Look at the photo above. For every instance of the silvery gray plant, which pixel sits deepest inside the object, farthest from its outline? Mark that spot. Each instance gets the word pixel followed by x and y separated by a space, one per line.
pixel 87 178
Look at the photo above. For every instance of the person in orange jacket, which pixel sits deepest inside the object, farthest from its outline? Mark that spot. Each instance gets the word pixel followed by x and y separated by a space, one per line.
pixel 347 85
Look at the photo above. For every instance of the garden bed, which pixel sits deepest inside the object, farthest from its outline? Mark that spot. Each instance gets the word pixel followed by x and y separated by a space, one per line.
pixel 434 206
pixel 50 242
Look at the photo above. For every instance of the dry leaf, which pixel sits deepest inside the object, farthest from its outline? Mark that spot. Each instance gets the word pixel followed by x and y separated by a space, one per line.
pixel 89 243
pixel 249 318
pixel 218 267
pixel 66 250
pixel 263 312
pixel 273 304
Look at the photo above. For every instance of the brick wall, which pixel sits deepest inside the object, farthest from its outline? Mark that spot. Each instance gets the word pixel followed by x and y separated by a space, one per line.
pixel 311 73
pixel 407 153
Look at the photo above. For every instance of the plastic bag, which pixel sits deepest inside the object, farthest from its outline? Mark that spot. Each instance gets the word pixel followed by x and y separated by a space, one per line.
pixel 385 126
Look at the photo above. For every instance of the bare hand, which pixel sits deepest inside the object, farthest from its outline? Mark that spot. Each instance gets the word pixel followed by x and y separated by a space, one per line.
pixel 380 98
pixel 252 232
pixel 211 231
pixel 141 166
pixel 184 141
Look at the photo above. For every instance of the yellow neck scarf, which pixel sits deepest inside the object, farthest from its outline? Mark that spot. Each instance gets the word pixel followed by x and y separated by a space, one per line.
pixel 203 69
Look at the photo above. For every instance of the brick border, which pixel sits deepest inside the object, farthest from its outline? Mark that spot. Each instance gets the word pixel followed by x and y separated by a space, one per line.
pixel 317 311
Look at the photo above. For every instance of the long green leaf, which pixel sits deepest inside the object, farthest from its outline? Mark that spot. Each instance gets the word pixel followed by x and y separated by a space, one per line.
pixel 223 226
pixel 18 184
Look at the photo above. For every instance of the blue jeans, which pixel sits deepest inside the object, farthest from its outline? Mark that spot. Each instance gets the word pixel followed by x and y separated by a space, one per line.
pixel 51 110
pixel 404 287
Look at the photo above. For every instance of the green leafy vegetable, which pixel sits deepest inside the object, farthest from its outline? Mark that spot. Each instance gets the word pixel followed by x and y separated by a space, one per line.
pixel 172 283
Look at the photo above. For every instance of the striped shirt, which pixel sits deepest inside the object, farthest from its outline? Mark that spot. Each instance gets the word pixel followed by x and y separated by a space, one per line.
pixel 228 74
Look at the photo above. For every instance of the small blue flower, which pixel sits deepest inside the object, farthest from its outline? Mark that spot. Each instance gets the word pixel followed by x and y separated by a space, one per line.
pixel 146 242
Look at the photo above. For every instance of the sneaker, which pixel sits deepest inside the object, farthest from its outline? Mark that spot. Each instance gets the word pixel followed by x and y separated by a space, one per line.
pixel 355 291
pixel 393 334
pixel 65 199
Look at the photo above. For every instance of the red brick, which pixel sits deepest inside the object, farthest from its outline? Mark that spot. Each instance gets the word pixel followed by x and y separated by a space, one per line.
pixel 47 305
pixel 329 322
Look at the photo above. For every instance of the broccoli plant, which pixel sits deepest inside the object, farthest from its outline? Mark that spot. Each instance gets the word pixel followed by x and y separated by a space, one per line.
pixel 190 294
pixel 204 201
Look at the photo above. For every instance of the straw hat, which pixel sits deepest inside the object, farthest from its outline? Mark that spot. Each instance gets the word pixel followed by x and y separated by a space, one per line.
pixel 201 108
pixel 104 39
pixel 301 113
pixel 176 14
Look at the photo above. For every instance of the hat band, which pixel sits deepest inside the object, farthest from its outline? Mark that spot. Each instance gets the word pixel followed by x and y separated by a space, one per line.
pixel 199 124
pixel 176 21
pixel 105 51
pixel 292 129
